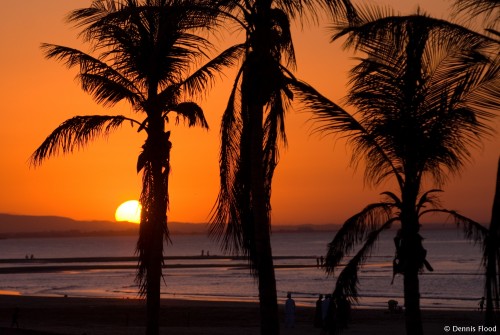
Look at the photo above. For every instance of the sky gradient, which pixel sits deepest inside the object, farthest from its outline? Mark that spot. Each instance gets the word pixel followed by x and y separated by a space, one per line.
pixel 313 182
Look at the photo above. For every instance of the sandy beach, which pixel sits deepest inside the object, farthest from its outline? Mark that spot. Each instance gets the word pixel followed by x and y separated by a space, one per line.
pixel 99 316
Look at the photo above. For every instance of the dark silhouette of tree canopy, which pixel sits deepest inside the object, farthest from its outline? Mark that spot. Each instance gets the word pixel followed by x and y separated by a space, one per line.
pixel 488 238
pixel 143 52
pixel 425 92
pixel 253 127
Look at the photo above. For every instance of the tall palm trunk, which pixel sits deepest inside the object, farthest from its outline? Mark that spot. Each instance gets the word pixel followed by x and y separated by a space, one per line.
pixel 263 252
pixel 412 258
pixel 159 153
pixel 492 255
pixel 256 92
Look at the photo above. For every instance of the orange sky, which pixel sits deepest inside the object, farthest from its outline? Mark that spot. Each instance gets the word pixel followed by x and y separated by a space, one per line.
pixel 313 182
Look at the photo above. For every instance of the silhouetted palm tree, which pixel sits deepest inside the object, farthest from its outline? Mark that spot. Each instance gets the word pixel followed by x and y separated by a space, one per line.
pixel 145 51
pixel 424 92
pixel 489 240
pixel 491 258
pixel 253 125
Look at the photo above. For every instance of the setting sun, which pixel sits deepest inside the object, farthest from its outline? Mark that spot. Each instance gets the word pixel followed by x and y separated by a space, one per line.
pixel 129 211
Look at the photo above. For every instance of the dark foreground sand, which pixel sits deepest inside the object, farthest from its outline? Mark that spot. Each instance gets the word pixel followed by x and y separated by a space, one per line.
pixel 42 315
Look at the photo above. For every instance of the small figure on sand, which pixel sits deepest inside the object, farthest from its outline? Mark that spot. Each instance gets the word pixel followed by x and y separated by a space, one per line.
pixel 202 253
pixel 289 311
pixel 393 306
pixel 481 304
pixel 318 314
pixel 15 318
pixel 324 308
pixel 321 261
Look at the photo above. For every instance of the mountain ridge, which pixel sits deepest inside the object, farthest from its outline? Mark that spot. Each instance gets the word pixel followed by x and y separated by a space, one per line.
pixel 14 225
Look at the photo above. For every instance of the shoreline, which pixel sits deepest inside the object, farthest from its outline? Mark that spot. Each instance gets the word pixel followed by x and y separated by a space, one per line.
pixel 100 316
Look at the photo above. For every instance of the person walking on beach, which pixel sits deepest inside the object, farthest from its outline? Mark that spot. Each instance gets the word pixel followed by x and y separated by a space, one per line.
pixel 318 314
pixel 324 308
pixel 15 318
pixel 289 311
pixel 481 304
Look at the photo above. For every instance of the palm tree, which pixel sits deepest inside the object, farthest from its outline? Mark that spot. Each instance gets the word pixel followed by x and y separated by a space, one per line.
pixel 253 126
pixel 490 9
pixel 491 257
pixel 489 240
pixel 145 51
pixel 424 94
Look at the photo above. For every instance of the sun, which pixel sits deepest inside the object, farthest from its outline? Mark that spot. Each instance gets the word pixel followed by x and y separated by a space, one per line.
pixel 129 211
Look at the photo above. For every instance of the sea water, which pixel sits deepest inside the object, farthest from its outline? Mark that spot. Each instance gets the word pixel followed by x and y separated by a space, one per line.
pixel 457 280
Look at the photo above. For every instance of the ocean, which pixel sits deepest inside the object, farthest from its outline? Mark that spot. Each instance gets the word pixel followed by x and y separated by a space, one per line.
pixel 456 283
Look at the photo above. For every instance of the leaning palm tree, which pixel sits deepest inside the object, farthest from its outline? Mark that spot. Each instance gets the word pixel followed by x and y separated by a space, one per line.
pixel 491 257
pixel 144 54
pixel 253 126
pixel 424 92
pixel 489 239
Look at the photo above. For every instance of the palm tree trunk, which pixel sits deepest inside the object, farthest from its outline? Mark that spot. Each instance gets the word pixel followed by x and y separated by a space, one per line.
pixel 160 156
pixel 413 255
pixel 413 261
pixel 155 262
pixel 153 279
pixel 267 281
pixel 492 254
pixel 263 257
pixel 413 318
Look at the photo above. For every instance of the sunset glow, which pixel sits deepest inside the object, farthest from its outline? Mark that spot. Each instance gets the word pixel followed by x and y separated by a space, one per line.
pixel 313 183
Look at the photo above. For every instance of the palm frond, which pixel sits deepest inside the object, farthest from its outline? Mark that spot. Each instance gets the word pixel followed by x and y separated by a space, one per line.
pixel 226 221
pixel 312 9
pixel 472 230
pixel 490 8
pixel 103 82
pixel 199 80
pixel 346 288
pixel 75 133
pixel 191 113
pixel 428 198
pixel 334 120
pixel 355 230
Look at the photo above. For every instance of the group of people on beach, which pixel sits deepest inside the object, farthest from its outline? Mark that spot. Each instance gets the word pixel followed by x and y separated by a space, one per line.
pixel 320 262
pixel 327 314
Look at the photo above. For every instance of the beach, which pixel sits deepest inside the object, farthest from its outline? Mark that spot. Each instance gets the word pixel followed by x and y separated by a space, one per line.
pixel 99 316
pixel 216 295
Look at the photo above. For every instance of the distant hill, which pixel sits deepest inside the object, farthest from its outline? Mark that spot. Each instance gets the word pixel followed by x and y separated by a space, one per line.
pixel 34 226
pixel 57 226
